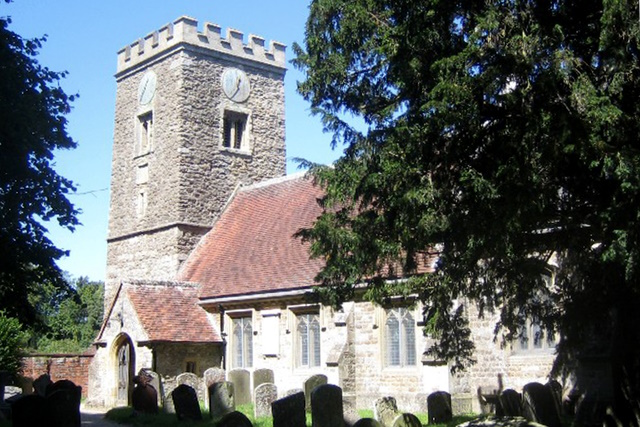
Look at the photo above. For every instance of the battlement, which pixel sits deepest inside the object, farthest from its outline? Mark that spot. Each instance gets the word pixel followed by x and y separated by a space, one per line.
pixel 184 30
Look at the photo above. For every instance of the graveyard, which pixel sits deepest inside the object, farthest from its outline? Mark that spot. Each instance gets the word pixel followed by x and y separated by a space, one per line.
pixel 239 398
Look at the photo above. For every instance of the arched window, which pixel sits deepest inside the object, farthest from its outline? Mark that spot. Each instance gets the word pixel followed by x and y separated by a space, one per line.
pixel 242 345
pixel 400 337
pixel 308 337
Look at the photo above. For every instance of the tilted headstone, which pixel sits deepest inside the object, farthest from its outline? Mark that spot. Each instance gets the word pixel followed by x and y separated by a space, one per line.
pixel 310 384
pixel 221 399
pixel 40 384
pixel 234 419
pixel 326 406
pixel 539 405
pixel 406 420
pixel 385 410
pixel 185 401
pixel 193 381
pixel 214 375
pixel 241 385
pixel 63 406
pixel 556 390
pixel 264 395
pixel 144 397
pixel 30 411
pixel 439 407
pixel 262 376
pixel 511 403
pixel 366 422
pixel 289 411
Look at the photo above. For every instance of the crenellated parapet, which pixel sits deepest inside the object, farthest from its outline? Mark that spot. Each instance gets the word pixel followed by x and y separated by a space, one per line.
pixel 184 30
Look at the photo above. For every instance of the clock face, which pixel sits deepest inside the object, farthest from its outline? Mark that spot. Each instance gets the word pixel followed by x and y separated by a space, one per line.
pixel 147 88
pixel 235 84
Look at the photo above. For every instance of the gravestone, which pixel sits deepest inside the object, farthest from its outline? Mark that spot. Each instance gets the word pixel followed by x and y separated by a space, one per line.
pixel 556 391
pixel 539 405
pixel 30 411
pixel 10 392
pixel 294 391
pixel 144 397
pixel 234 419
pixel 439 407
pixel 367 422
pixel 241 385
pixel 311 383
pixel 406 420
pixel 289 411
pixel 61 385
pixel 153 379
pixel 185 402
pixel 326 406
pixel 192 381
pixel 264 395
pixel 40 384
pixel 214 375
pixel 63 406
pixel 385 410
pixel 262 376
pixel 511 403
pixel 221 399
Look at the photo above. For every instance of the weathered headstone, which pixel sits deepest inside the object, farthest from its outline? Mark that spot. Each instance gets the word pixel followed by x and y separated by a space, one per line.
pixel 144 397
pixel 439 407
pixel 221 399
pixel 289 411
pixel 294 391
pixel 185 401
pixel 385 410
pixel 264 395
pixel 153 379
pixel 326 406
pixel 63 406
pixel 310 384
pixel 406 420
pixel 262 376
pixel 61 385
pixel 241 385
pixel 511 403
pixel 367 422
pixel 30 411
pixel 539 405
pixel 40 384
pixel 214 375
pixel 234 419
pixel 556 390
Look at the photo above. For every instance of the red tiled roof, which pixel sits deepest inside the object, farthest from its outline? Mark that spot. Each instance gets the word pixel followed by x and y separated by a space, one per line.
pixel 252 247
pixel 170 312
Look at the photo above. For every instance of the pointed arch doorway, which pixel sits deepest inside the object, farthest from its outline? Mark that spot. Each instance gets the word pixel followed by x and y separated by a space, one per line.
pixel 125 364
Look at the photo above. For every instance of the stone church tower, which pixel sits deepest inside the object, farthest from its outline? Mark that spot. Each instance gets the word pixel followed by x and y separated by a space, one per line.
pixel 196 115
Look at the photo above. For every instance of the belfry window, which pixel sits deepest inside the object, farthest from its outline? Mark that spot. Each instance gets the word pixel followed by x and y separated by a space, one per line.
pixel 235 130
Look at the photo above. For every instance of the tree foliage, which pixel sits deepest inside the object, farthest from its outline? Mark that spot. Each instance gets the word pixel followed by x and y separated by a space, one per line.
pixel 71 319
pixel 12 341
pixel 32 126
pixel 500 137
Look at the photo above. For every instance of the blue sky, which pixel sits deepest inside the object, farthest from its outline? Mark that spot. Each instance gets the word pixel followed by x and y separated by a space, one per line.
pixel 83 39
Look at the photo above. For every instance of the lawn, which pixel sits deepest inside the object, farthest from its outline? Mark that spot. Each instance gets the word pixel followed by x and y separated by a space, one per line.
pixel 124 416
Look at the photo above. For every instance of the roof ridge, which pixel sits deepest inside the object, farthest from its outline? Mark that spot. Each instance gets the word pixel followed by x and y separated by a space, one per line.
pixel 274 181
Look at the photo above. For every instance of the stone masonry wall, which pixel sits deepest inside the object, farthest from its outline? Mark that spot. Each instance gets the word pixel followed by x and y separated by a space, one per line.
pixel 73 367
pixel 186 175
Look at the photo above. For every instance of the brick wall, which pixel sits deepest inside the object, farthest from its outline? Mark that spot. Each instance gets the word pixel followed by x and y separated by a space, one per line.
pixel 73 367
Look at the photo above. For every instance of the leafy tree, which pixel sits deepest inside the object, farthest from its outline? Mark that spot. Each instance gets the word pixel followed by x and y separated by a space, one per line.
pixel 71 320
pixel 12 340
pixel 500 137
pixel 32 125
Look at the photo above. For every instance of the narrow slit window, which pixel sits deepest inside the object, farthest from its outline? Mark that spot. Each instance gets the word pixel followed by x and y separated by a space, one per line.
pixel 146 133
pixel 235 130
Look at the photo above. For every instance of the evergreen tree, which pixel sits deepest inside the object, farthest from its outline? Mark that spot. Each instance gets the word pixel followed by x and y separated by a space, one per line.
pixel 500 137
pixel 32 127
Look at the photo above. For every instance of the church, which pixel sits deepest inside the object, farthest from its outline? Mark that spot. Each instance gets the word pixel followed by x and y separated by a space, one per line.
pixel 203 268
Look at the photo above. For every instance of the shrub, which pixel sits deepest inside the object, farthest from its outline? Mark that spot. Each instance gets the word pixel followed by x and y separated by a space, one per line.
pixel 12 339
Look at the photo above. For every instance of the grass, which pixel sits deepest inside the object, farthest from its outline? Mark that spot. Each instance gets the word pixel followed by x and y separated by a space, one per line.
pixel 124 416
